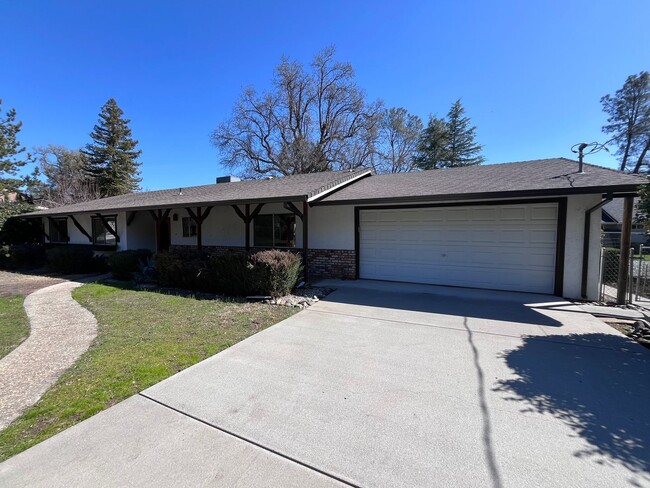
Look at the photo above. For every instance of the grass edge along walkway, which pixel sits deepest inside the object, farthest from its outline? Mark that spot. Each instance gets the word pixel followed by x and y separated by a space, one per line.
pixel 143 338
pixel 14 325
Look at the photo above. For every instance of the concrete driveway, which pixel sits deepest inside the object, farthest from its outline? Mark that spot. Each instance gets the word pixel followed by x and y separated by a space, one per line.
pixel 381 385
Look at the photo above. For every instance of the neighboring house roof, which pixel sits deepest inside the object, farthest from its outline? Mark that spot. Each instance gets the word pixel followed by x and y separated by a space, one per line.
pixel 613 211
pixel 558 176
pixel 289 188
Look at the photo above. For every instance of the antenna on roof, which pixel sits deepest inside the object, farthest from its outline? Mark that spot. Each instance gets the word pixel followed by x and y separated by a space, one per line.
pixel 180 192
pixel 595 147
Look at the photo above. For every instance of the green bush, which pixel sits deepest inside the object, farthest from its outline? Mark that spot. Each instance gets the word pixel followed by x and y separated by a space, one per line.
pixel 183 269
pixel 22 256
pixel 276 272
pixel 73 259
pixel 271 272
pixel 231 274
pixel 124 264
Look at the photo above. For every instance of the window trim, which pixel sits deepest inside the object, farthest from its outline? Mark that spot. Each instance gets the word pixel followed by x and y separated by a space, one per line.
pixel 92 229
pixel 273 245
pixel 191 225
pixel 64 221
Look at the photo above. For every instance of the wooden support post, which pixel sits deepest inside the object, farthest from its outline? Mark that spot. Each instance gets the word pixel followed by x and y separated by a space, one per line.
pixel 305 238
pixel 159 217
pixel 247 221
pixel 81 229
pixel 626 242
pixel 199 218
pixel 247 217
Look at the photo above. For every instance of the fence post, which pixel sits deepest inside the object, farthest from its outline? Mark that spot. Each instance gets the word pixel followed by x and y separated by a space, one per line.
pixel 630 281
pixel 638 276
pixel 601 277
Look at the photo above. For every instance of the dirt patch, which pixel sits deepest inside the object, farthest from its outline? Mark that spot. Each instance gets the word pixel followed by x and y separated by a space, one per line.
pixel 637 330
pixel 24 284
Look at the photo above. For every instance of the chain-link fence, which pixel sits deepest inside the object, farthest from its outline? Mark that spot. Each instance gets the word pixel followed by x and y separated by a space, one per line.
pixel 638 288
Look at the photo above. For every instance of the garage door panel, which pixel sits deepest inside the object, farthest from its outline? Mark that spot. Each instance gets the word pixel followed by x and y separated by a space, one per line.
pixel 508 247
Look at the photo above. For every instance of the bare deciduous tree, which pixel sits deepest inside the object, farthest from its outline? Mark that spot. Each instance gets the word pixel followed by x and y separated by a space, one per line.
pixel 311 121
pixel 397 143
pixel 66 180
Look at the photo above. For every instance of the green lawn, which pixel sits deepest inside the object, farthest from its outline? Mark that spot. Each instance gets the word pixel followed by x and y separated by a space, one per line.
pixel 14 326
pixel 143 338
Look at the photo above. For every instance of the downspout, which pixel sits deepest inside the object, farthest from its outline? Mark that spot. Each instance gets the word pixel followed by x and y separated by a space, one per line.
pixel 585 247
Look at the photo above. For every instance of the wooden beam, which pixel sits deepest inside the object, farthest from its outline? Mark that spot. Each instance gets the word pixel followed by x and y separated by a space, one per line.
pixel 292 208
pixel 194 216
pixel 626 242
pixel 240 213
pixel 206 212
pixel 110 230
pixel 305 238
pixel 131 217
pixel 255 212
pixel 81 229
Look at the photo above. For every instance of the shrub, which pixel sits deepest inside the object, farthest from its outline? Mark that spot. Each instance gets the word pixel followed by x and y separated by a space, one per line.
pixel 231 274
pixel 275 272
pixel 72 259
pixel 124 264
pixel 183 269
pixel 21 256
pixel 271 272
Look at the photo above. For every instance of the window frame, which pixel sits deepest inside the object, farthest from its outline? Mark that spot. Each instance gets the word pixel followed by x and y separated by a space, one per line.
pixel 273 219
pixel 192 228
pixel 64 224
pixel 108 218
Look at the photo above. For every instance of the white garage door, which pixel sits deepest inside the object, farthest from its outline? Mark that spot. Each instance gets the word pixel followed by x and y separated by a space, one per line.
pixel 505 247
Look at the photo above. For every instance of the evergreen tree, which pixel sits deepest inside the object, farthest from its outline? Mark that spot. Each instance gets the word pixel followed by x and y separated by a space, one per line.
pixel 432 148
pixel 448 143
pixel 629 121
pixel 112 155
pixel 10 150
pixel 462 149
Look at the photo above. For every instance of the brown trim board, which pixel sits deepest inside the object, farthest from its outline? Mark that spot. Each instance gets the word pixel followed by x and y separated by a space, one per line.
pixel 560 235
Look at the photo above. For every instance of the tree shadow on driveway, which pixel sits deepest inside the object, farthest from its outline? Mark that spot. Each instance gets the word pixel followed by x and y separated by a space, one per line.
pixel 598 384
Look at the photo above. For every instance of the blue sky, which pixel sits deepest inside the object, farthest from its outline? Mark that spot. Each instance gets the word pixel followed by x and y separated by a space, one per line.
pixel 530 74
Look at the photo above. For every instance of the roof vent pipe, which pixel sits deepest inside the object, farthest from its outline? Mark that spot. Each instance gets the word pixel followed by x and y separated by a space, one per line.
pixel 581 156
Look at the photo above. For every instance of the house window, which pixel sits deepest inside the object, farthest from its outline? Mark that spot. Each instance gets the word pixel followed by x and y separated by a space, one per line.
pixel 101 235
pixel 59 230
pixel 189 227
pixel 277 230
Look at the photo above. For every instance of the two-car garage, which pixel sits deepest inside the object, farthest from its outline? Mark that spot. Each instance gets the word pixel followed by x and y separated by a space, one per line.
pixel 505 246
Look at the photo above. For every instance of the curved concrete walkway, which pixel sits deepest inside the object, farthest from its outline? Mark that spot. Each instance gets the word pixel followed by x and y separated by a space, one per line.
pixel 61 331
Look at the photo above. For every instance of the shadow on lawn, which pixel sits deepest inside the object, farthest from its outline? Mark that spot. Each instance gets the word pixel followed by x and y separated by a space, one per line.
pixel 598 384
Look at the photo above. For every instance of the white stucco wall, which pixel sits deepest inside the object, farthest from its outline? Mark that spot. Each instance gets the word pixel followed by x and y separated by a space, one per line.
pixel 332 227
pixel 141 234
pixel 575 222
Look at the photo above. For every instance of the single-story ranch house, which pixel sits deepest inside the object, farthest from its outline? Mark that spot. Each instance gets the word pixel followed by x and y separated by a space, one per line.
pixel 524 226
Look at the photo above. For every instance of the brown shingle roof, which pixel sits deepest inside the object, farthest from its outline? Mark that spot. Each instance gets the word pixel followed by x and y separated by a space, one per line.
pixel 289 188
pixel 558 176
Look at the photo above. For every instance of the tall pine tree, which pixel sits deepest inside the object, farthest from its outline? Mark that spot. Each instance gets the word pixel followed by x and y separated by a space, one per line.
pixel 448 143
pixel 10 152
pixel 463 150
pixel 112 155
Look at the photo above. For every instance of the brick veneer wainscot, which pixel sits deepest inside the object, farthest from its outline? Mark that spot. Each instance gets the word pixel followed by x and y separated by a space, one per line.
pixel 323 263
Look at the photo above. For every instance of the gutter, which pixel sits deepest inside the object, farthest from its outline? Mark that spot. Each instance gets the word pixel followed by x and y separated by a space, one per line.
pixel 585 244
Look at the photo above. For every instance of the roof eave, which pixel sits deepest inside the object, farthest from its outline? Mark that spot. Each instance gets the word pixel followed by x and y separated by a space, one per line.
pixel 627 189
